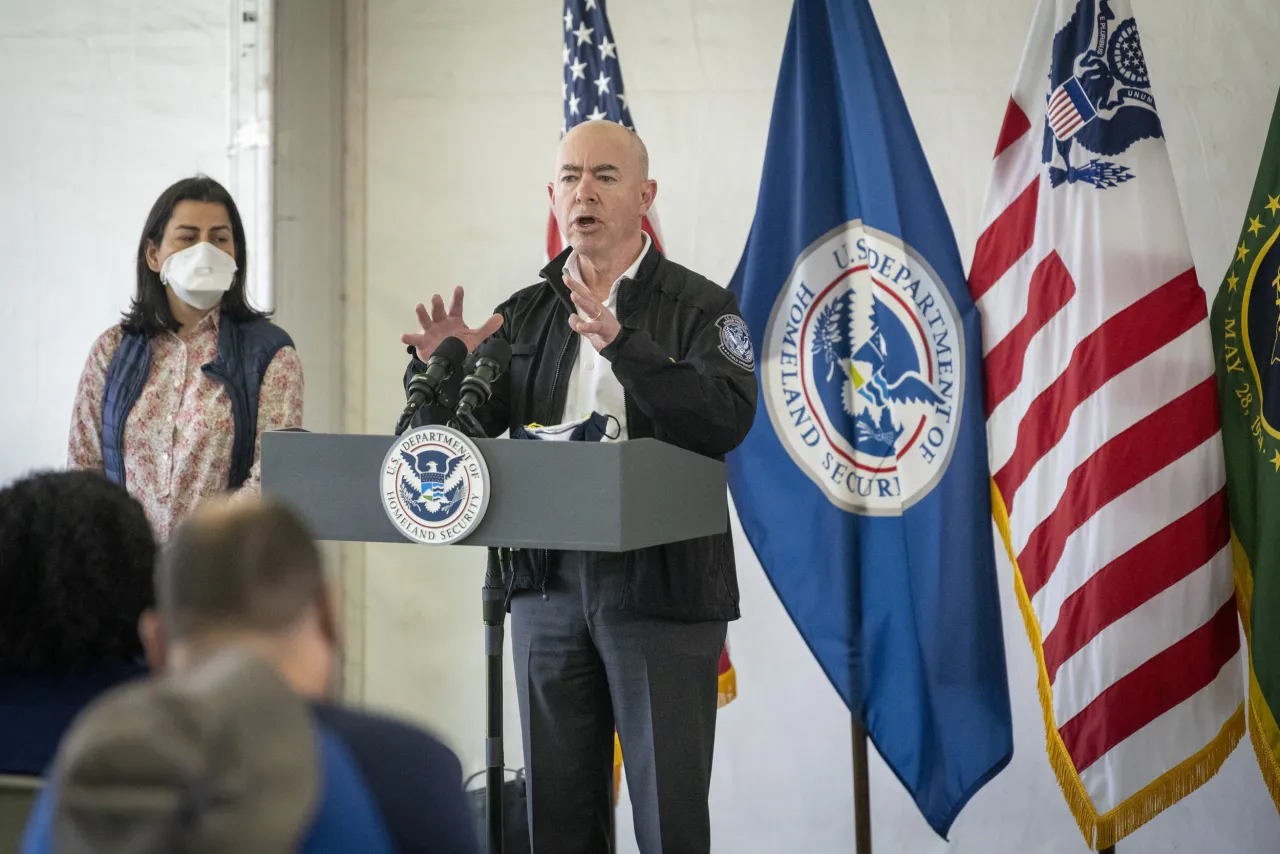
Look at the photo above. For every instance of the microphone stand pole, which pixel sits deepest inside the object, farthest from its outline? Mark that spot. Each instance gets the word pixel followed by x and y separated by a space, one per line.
pixel 493 598
pixel 493 609
pixel 466 423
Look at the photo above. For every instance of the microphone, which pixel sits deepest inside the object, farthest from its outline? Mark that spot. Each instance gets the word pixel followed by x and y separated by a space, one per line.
pixel 491 360
pixel 424 387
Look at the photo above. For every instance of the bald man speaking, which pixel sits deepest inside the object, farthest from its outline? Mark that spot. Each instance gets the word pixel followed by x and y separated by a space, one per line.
pixel 620 342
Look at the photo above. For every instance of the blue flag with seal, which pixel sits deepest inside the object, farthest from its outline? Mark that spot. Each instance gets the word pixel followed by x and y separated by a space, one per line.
pixel 867 497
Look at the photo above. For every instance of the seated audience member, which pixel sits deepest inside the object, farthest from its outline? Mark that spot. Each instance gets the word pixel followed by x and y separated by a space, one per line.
pixel 222 756
pixel 246 575
pixel 76 563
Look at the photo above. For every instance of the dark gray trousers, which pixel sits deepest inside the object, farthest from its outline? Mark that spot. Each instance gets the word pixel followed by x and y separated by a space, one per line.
pixel 583 667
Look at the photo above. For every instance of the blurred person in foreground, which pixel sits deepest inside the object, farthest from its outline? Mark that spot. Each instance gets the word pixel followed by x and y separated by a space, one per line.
pixel 223 756
pixel 76 563
pixel 246 576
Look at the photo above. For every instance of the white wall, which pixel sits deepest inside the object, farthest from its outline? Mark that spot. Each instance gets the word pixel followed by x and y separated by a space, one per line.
pixel 458 120
pixel 103 105
pixel 307 251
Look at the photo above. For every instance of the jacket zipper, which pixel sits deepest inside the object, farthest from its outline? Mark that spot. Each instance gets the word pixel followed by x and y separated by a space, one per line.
pixel 555 381
pixel 626 398
pixel 626 414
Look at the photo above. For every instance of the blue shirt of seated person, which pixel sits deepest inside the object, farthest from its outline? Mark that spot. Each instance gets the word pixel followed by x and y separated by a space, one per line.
pixel 76 563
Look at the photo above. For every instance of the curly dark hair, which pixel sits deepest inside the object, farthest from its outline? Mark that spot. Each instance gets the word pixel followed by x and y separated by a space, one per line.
pixel 76 561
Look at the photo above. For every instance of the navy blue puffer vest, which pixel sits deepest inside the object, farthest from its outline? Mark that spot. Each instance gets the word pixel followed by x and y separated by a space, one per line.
pixel 245 349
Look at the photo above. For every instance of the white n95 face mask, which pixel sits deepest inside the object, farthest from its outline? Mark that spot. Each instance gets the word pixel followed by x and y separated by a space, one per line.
pixel 199 275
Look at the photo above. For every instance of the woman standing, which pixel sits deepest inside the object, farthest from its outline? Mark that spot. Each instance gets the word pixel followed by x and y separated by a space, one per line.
pixel 174 399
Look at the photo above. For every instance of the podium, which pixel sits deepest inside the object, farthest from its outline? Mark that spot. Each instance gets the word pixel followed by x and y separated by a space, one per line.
pixel 577 496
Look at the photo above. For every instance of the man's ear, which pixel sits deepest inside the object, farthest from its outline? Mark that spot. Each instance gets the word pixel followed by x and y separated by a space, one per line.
pixel 151 633
pixel 647 195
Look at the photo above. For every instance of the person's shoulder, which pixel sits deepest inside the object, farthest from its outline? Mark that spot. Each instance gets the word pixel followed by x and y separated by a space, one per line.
pixel 524 297
pixel 263 329
pixel 539 290
pixel 360 720
pixel 688 287
pixel 102 353
pixel 415 780
pixel 106 344
pixel 385 739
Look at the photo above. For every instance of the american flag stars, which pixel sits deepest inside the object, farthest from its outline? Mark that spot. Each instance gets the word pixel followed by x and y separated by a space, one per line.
pixel 592 85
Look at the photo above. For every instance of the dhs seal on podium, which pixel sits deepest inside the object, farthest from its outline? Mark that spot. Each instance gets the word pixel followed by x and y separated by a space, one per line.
pixel 435 485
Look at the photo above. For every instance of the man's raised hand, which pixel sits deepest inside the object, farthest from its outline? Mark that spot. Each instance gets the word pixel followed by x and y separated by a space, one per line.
pixel 439 324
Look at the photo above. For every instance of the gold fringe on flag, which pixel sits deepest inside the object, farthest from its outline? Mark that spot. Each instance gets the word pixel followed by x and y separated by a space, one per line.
pixel 1103 831
pixel 617 767
pixel 1263 732
pixel 1265 736
pixel 728 687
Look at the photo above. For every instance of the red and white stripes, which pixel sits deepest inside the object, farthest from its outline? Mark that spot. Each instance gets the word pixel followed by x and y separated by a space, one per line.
pixel 1107 460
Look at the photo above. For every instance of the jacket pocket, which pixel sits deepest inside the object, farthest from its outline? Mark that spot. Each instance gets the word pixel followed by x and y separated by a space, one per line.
pixel 687 580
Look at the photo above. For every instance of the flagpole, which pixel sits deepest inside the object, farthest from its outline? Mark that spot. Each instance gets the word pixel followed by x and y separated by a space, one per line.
pixel 861 790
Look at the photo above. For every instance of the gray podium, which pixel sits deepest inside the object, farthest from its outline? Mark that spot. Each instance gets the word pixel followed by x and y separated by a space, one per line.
pixel 583 496
pixel 587 496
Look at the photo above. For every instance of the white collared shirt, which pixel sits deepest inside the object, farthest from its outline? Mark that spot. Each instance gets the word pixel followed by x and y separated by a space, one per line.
pixel 592 385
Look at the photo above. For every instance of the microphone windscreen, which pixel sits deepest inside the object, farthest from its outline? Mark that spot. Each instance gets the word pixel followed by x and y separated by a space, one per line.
pixel 451 350
pixel 496 349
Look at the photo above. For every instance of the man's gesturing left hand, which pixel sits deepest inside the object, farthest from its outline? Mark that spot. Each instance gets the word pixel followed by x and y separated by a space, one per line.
pixel 603 326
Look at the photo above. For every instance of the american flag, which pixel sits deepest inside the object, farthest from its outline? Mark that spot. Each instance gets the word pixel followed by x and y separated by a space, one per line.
pixel 1069 109
pixel 592 89
pixel 1108 473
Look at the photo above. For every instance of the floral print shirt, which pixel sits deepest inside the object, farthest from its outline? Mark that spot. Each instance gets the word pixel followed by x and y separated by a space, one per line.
pixel 178 436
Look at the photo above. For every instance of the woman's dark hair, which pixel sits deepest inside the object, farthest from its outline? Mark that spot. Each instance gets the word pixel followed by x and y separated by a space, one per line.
pixel 150 311
pixel 77 559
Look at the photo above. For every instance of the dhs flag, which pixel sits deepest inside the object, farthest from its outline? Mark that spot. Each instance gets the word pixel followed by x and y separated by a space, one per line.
pixel 868 502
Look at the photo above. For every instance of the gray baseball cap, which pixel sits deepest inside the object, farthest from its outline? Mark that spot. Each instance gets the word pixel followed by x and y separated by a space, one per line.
pixel 223 757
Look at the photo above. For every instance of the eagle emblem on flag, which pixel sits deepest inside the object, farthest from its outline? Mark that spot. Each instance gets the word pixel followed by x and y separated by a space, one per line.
pixel 1100 100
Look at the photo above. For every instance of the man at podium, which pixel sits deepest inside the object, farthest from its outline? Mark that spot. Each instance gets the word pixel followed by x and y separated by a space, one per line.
pixel 627 640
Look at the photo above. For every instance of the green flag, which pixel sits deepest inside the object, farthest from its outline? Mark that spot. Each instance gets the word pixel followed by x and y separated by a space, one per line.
pixel 1246 345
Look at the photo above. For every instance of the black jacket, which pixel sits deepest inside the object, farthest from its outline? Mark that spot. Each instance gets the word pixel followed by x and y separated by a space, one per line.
pixel 684 384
